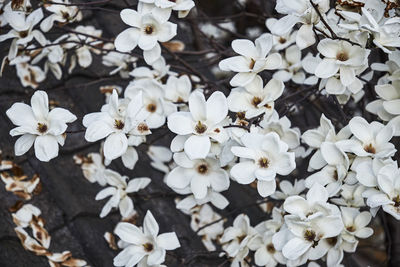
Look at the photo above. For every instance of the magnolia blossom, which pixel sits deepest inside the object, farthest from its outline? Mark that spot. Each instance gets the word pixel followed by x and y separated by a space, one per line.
pixel 252 59
pixel 39 127
pixel 237 238
pixel 264 156
pixel 309 222
pixel 355 223
pixel 254 99
pixel 314 138
pixel 146 30
pixel 83 52
pixel 204 216
pixel 177 90
pixel 120 62
pixel 153 103
pixel 280 41
pixel 62 11
pixel 341 56
pixel 291 66
pixel 388 196
pixel 199 174
pixel 370 139
pixel 204 121
pixel 119 190
pixel 146 243
pixel 163 8
pixel 117 119
pixel 299 11
pixel 387 107
pixel 22 30
pixel 28 74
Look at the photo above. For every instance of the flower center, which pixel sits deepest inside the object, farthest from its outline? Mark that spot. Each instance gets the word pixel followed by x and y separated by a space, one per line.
pixel 142 127
pixel 200 128
pixel 240 238
pixel 263 162
pixel 256 101
pixel 202 168
pixel 282 40
pixel 65 15
pixel 23 34
pixel 151 108
pixel 396 201
pixel 148 247
pixel 370 149
pixel 351 228
pixel 252 63
pixel 332 241
pixel 309 235
pixel 342 56
pixel 42 127
pixel 149 29
pixel 118 124
pixel 271 248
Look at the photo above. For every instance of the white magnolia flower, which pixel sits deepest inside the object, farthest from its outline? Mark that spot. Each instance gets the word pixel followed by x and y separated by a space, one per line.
pixel 264 156
pixel 382 28
pixel 291 68
pixel 164 7
pixel 236 239
pixel 388 195
pixel 266 254
pixel 177 90
pixel 314 205
pixel 288 189
pixel 146 30
pixel 117 119
pixel 308 235
pixel 254 99
pixel 253 58
pixel 355 223
pixel 157 109
pixel 282 126
pixel 199 174
pixel 55 56
pixel 370 139
pixel 314 138
pixel 387 106
pixel 204 121
pixel 93 168
pixel 299 11
pixel 351 196
pixel 343 57
pixel 28 74
pixel 282 41
pixel 215 198
pixel 22 30
pixel 204 216
pixel 367 169
pixel 160 158
pixel 159 70
pixel 62 11
pixel 83 52
pixel 120 61
pixel 39 127
pixel 119 190
pixel 144 243
pixel 332 175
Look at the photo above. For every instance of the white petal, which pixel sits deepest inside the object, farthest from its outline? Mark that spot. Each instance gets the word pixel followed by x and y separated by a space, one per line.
pixel 197 147
pixel 46 147
pixel 150 225
pixel 168 241
pixel 243 172
pixel 295 248
pixel 127 40
pixel 217 107
pixel 24 143
pixel 115 145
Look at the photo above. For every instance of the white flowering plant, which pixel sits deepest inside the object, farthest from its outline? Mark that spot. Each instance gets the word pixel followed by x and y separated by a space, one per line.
pixel 265 133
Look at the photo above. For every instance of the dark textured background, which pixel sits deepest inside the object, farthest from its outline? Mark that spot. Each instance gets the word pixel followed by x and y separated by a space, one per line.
pixel 67 198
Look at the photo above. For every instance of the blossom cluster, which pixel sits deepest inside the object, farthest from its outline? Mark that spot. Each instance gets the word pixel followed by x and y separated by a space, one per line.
pixel 237 135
